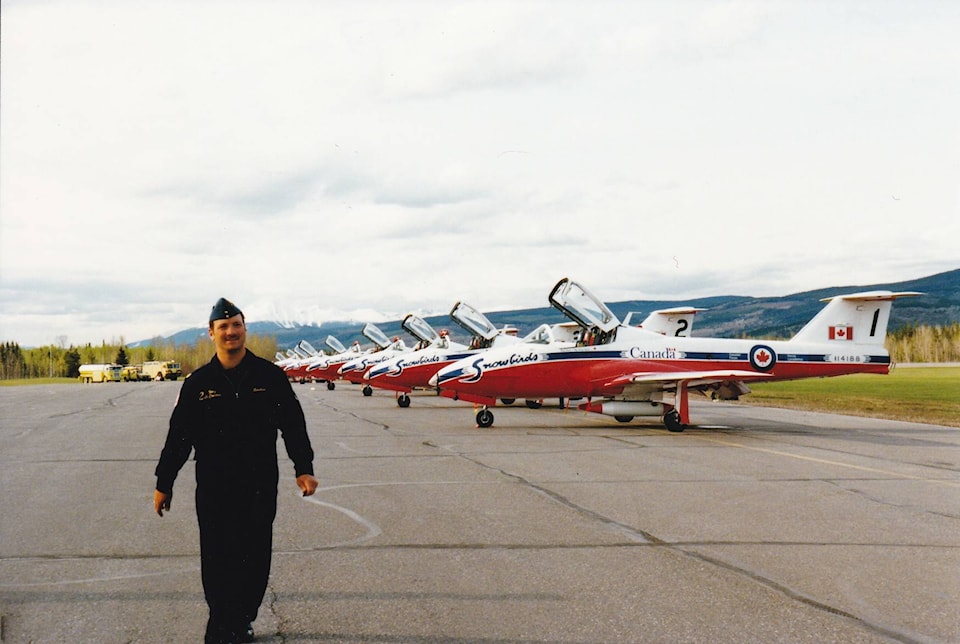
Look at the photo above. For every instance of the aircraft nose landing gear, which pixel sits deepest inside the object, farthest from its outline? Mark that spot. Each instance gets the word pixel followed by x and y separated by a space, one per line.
pixel 484 418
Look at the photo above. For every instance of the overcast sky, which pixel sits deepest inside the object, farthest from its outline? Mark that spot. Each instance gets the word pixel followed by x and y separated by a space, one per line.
pixel 325 160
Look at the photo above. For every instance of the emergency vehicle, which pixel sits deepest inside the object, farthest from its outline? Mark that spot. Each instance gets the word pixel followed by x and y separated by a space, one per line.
pixel 161 370
pixel 100 373
pixel 131 372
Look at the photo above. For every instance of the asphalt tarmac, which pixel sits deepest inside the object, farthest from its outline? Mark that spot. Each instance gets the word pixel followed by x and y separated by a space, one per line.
pixel 757 525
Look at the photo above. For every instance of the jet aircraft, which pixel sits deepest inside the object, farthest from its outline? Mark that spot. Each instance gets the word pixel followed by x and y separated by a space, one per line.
pixel 404 373
pixel 354 370
pixel 627 371
pixel 327 367
pixel 296 366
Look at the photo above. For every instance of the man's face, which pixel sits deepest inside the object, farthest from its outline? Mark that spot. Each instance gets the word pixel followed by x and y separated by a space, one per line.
pixel 229 335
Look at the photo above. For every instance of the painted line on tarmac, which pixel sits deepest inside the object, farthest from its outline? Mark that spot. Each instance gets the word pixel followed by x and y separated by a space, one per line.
pixel 105 578
pixel 373 530
pixel 825 461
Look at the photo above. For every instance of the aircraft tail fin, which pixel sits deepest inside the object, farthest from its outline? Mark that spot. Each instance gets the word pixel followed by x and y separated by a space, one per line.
pixel 860 318
pixel 677 322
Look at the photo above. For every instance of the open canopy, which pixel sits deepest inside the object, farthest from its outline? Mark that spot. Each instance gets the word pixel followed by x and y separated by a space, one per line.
pixel 582 306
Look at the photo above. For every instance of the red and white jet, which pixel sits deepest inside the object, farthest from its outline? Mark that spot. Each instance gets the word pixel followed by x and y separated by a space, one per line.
pixel 627 371
pixel 355 369
pixel 407 372
pixel 327 367
pixel 296 365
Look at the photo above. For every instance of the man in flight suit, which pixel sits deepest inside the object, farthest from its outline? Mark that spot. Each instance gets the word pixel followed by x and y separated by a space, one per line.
pixel 229 412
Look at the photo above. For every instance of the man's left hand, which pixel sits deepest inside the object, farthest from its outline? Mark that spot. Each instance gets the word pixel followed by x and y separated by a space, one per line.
pixel 307 484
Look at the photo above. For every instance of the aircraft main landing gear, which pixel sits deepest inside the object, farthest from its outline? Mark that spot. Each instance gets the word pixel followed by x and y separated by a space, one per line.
pixel 403 400
pixel 331 385
pixel 367 390
pixel 672 421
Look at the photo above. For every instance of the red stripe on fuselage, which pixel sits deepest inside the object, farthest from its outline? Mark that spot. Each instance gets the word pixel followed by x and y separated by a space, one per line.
pixel 410 378
pixel 330 372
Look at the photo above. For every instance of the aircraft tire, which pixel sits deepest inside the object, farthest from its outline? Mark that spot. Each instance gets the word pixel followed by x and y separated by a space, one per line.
pixel 508 401
pixel 623 419
pixel 367 390
pixel 485 418
pixel 403 400
pixel 672 421
pixel 534 404
pixel 331 385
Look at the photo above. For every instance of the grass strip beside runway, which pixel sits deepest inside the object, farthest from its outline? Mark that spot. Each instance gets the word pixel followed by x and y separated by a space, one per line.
pixel 916 394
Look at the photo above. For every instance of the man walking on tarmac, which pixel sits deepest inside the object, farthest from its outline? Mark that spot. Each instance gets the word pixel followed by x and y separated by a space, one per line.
pixel 229 412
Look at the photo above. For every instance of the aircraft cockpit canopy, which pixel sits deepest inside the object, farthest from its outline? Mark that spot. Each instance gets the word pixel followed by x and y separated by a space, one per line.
pixel 335 345
pixel 473 321
pixel 375 335
pixel 583 307
pixel 543 334
pixel 420 328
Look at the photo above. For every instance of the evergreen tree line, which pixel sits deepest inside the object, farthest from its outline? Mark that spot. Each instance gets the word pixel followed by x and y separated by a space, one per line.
pixel 911 343
pixel 64 362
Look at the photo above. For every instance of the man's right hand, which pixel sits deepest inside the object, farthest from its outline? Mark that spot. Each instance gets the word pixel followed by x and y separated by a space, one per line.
pixel 161 502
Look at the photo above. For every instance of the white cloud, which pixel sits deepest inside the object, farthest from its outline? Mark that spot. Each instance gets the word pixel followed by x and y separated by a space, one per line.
pixel 321 158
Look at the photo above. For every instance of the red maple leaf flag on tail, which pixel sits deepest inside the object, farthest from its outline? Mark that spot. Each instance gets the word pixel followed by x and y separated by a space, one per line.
pixel 844 332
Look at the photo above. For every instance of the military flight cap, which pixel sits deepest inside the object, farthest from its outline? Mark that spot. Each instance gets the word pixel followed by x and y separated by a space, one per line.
pixel 224 309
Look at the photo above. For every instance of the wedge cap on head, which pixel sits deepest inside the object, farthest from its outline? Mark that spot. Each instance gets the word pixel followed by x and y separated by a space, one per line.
pixel 224 309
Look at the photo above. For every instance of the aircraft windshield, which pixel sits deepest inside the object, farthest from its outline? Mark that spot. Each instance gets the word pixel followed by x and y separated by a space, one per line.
pixel 581 306
pixel 473 321
pixel 335 345
pixel 419 328
pixel 541 335
pixel 378 337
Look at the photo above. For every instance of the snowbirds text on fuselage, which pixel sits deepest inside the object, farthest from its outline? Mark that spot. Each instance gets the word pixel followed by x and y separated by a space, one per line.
pixel 355 370
pixel 628 371
pixel 404 373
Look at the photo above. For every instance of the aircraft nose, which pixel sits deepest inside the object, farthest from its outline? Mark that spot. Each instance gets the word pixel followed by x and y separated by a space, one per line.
pixel 443 375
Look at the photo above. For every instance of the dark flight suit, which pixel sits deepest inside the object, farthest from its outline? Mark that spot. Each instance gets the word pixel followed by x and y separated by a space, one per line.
pixel 230 418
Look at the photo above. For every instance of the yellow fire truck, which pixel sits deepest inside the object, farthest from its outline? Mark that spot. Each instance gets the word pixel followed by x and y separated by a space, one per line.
pixel 161 370
pixel 100 373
